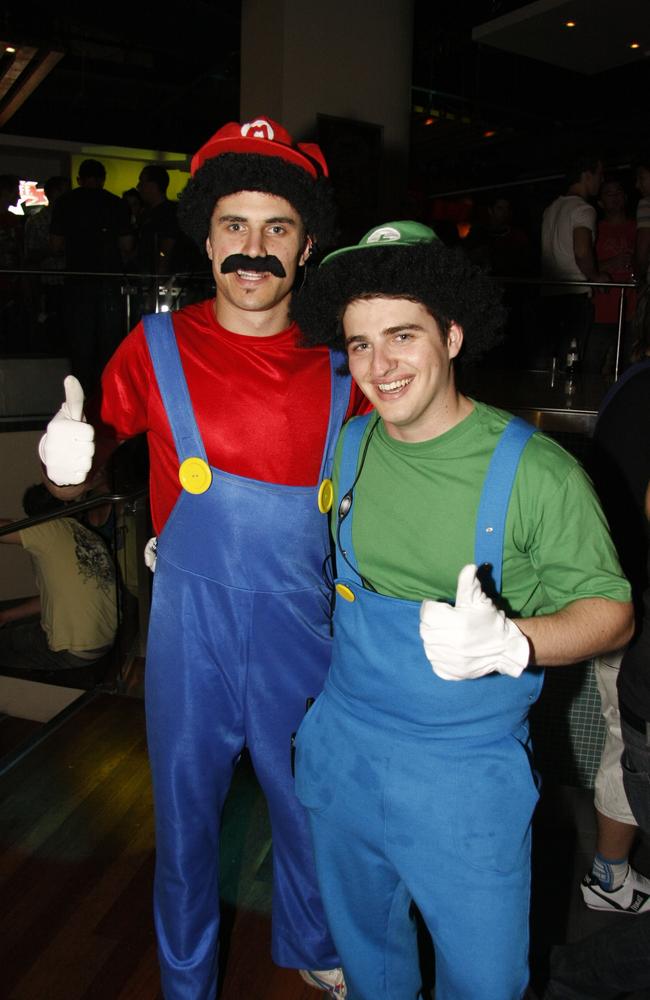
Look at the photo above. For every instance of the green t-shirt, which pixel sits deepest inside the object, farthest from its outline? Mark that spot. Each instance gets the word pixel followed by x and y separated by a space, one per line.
pixel 414 518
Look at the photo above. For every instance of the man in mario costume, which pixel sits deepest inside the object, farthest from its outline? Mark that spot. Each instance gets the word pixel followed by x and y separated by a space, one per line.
pixel 241 422
pixel 414 762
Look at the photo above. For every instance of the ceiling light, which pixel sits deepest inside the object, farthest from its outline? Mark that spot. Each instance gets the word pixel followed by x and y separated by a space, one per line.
pixel 634 45
pixel 569 24
pixel 10 49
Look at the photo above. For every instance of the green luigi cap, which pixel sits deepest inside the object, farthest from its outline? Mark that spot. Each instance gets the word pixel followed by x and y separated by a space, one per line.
pixel 401 234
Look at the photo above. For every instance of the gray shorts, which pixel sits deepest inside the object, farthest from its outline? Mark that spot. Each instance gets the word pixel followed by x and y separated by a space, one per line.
pixel 610 797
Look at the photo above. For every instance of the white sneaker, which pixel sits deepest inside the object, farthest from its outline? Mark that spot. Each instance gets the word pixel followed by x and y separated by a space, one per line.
pixel 330 981
pixel 631 897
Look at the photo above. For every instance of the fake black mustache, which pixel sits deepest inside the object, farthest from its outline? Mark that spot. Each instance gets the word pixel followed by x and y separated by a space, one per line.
pixel 240 262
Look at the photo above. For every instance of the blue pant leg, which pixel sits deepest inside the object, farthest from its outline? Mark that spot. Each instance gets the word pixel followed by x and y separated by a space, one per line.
pixel 479 925
pixel 290 654
pixel 341 783
pixel 194 680
pixel 458 831
pixel 367 906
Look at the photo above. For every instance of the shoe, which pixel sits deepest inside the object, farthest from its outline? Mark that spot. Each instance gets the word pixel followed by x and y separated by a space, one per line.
pixel 330 981
pixel 631 897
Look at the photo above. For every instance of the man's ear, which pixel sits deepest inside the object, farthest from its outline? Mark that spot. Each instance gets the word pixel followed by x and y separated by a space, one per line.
pixel 455 339
pixel 306 253
pixel 208 247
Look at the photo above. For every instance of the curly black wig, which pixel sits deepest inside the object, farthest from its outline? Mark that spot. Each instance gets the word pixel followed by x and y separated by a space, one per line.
pixel 232 172
pixel 442 279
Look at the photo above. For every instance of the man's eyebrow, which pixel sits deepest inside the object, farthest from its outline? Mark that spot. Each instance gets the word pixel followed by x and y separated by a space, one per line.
pixel 401 328
pixel 284 219
pixel 388 332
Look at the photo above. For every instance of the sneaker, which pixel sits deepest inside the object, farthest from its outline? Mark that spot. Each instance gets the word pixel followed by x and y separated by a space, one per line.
pixel 330 981
pixel 631 897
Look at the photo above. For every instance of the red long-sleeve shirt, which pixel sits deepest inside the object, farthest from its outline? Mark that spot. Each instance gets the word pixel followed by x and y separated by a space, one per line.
pixel 261 403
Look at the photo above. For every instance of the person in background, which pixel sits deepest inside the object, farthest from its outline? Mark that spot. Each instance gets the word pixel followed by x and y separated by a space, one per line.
pixel 497 244
pixel 642 248
pixel 158 229
pixel 568 236
pixel 615 238
pixel 91 229
pixel 12 313
pixel 620 469
pixel 136 206
pixel 73 620
pixel 47 289
pixel 616 960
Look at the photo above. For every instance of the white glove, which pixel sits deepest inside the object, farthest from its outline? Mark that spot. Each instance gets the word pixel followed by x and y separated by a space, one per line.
pixel 473 638
pixel 150 550
pixel 67 447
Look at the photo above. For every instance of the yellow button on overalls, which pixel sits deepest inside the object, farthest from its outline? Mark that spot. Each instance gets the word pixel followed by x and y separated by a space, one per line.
pixel 195 475
pixel 325 496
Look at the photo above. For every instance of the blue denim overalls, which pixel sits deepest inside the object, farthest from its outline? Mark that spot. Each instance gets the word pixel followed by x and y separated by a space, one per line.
pixel 239 639
pixel 420 788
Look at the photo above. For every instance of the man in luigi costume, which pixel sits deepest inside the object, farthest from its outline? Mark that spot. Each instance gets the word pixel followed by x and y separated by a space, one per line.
pixel 414 762
pixel 242 422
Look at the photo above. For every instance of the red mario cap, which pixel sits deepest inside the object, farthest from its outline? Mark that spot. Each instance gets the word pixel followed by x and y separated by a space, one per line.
pixel 265 138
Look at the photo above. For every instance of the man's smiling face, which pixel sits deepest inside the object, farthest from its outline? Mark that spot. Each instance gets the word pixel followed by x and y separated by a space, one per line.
pixel 401 360
pixel 256 225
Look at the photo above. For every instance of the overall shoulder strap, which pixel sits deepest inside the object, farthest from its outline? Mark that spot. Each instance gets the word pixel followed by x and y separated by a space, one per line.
pixel 166 360
pixel 339 402
pixel 352 436
pixel 495 497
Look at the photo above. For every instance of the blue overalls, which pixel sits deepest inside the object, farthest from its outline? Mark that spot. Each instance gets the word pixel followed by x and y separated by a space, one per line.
pixel 419 788
pixel 239 639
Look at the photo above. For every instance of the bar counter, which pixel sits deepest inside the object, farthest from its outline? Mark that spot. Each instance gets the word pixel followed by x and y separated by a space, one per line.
pixel 548 400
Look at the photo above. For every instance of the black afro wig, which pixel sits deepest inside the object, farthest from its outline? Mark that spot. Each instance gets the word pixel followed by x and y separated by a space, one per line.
pixel 232 172
pixel 442 279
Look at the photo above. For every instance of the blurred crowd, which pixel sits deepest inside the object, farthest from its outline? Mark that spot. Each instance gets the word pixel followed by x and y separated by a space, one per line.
pixel 103 260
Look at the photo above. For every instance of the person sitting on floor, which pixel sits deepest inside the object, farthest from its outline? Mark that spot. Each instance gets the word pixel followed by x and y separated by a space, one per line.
pixel 73 620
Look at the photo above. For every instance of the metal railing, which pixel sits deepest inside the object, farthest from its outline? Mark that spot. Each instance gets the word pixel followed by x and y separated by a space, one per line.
pixel 624 287
pixel 155 293
pixel 132 578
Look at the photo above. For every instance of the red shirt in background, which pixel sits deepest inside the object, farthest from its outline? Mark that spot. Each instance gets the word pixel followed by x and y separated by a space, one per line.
pixel 612 239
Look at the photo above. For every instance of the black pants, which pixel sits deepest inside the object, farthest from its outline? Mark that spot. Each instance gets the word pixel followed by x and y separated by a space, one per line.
pixel 614 960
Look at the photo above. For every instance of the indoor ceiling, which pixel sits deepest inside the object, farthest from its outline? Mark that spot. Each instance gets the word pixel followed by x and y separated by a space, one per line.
pixel 586 36
pixel 519 93
pixel 501 88
pixel 133 74
pixel 22 68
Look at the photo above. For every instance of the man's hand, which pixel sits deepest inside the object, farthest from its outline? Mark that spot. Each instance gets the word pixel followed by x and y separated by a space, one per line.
pixel 473 638
pixel 150 553
pixel 67 448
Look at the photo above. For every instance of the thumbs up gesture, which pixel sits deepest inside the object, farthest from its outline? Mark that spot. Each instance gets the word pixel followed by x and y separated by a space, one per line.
pixel 67 447
pixel 474 637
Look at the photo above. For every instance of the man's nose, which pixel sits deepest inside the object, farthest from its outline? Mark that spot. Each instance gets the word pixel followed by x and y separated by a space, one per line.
pixel 382 360
pixel 254 244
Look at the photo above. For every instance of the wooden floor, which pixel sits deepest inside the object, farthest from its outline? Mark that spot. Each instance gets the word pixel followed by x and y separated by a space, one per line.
pixel 77 856
pixel 76 867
